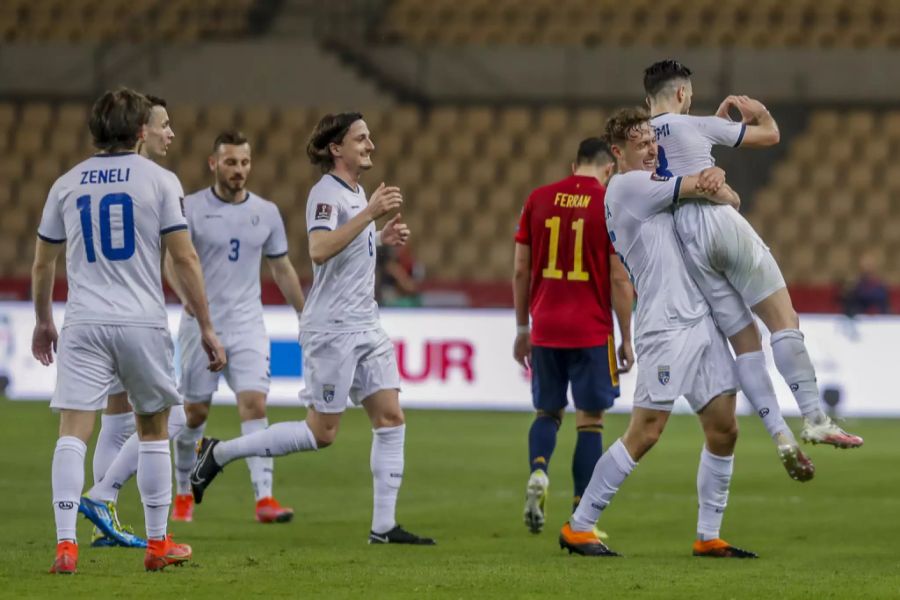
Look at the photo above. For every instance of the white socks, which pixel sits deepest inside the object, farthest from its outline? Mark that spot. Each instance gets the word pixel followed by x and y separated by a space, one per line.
pixel 154 480
pixel 114 431
pixel 68 482
pixel 386 462
pixel 793 362
pixel 261 467
pixel 185 455
pixel 125 464
pixel 757 386
pixel 609 473
pixel 713 479
pixel 277 440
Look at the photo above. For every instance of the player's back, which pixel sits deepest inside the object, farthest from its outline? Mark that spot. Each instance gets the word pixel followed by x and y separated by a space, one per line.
pixel 685 148
pixel 111 210
pixel 565 225
pixel 342 296
pixel 642 230
pixel 231 239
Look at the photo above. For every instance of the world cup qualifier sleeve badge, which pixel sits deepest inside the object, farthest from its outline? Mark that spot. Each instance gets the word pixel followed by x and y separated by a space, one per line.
pixel 327 393
pixel 663 374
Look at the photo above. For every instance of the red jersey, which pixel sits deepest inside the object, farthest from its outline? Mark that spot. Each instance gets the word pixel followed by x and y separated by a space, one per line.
pixel 571 301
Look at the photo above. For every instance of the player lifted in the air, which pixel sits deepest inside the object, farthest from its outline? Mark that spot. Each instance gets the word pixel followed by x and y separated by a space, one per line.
pixel 114 211
pixel 346 353
pixel 733 267
pixel 680 352
pixel 232 229
pixel 568 279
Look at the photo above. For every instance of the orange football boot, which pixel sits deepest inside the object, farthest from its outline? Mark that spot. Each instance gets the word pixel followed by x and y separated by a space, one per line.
pixel 162 553
pixel 184 508
pixel 66 558
pixel 269 511
pixel 719 548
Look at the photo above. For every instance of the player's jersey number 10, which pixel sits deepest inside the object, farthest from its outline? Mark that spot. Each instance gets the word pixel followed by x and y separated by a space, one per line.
pixel 123 252
pixel 551 271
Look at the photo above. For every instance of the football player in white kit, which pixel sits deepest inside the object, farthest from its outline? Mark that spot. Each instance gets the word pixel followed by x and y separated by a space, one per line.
pixel 732 265
pixel 346 353
pixel 116 450
pixel 114 211
pixel 680 352
pixel 232 229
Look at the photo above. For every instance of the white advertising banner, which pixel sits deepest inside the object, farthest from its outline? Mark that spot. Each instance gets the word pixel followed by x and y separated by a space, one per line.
pixel 463 359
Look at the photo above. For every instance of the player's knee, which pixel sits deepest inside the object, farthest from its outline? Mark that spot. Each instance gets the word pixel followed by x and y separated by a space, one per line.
pixel 252 408
pixel 556 415
pixel 325 436
pixel 392 417
pixel 196 414
pixel 723 434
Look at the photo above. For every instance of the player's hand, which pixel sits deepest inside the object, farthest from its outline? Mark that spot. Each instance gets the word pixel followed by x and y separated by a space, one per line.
pixel 626 357
pixel 522 350
pixel 710 180
pixel 384 200
pixel 395 232
pixel 214 350
pixel 43 342
pixel 751 110
pixel 724 110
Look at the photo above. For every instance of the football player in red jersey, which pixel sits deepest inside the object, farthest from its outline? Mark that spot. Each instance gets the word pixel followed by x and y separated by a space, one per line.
pixel 569 280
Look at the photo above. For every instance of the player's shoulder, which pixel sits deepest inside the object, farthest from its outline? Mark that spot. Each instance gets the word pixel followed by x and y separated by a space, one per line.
pixel 264 204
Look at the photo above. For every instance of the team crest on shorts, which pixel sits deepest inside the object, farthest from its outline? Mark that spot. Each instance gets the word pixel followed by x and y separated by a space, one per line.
pixel 662 373
pixel 327 393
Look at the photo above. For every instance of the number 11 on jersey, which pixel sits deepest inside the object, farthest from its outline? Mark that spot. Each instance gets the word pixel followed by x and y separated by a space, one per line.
pixel 551 271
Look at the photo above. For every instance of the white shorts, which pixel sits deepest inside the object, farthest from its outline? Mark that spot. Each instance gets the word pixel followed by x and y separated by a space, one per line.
pixel 694 362
pixel 729 262
pixel 247 369
pixel 92 356
pixel 116 387
pixel 341 365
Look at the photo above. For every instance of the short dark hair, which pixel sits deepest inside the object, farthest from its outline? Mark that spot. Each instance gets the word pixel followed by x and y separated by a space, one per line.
pixel 230 137
pixel 116 119
pixel 661 73
pixel 157 101
pixel 330 129
pixel 622 122
pixel 593 150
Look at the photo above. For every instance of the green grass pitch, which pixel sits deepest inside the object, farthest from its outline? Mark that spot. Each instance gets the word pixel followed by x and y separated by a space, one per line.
pixel 835 537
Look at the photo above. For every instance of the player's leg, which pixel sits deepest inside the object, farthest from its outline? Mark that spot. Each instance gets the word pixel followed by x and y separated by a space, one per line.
pixel 793 362
pixel 376 385
pixel 116 426
pixel 734 319
pixel 644 429
pixel 595 386
pixel 248 374
pixel 549 384
pixel 145 366
pixel 328 373
pixel 83 376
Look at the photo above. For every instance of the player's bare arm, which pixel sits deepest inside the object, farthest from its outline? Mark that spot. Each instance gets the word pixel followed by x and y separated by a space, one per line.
pixel 623 303
pixel 172 280
pixel 189 277
pixel 521 291
pixel 43 273
pixel 395 232
pixel 762 130
pixel 323 245
pixel 287 281
pixel 691 188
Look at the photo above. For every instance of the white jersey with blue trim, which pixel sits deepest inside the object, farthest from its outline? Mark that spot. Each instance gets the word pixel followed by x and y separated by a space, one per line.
pixel 685 148
pixel 231 239
pixel 111 210
pixel 639 219
pixel 342 297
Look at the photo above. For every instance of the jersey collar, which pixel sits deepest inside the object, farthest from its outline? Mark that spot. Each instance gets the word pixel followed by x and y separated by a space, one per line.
pixel 212 190
pixel 344 183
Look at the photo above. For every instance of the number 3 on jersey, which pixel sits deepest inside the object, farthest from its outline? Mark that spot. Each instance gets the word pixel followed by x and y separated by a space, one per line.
pixel 235 249
pixel 126 250
pixel 551 271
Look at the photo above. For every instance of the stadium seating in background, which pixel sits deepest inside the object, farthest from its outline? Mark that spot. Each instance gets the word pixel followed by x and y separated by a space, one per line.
pixel 699 23
pixel 122 20
pixel 466 171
